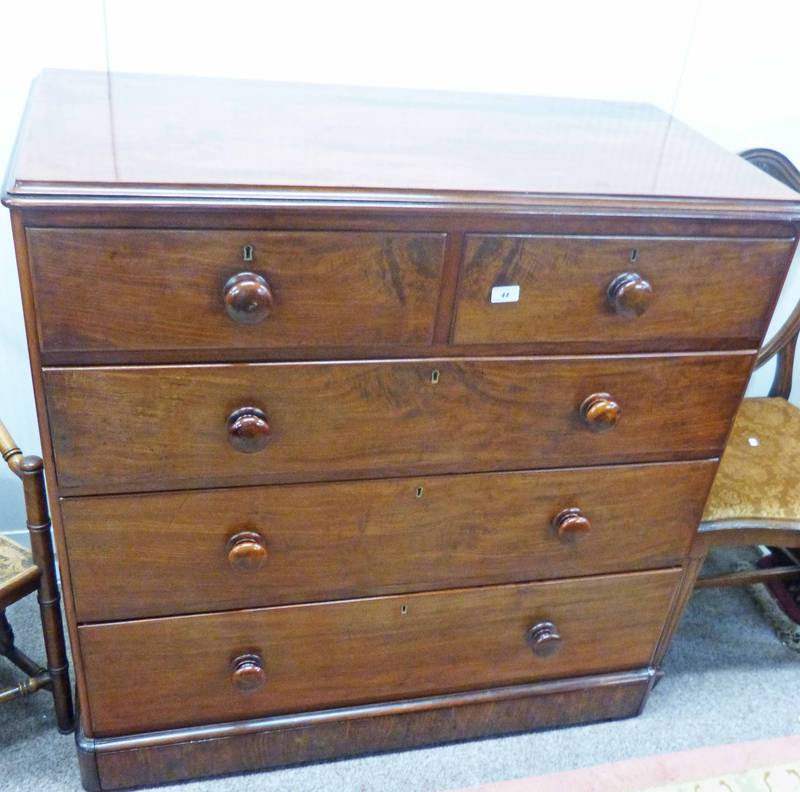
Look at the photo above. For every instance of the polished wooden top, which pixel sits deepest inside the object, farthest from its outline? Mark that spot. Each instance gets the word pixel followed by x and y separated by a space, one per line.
pixel 147 136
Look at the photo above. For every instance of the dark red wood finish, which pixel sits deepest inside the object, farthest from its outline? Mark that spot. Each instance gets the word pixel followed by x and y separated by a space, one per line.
pixel 393 362
pixel 181 552
pixel 168 427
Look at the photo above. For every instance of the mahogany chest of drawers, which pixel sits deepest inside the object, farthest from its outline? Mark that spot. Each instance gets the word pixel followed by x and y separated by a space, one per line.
pixel 374 418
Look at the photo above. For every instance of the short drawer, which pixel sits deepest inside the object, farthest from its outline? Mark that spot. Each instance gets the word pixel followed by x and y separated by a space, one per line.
pixel 184 670
pixel 184 552
pixel 135 290
pixel 161 428
pixel 619 294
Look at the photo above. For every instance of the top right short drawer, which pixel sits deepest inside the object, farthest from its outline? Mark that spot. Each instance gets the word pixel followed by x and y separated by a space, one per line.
pixel 618 294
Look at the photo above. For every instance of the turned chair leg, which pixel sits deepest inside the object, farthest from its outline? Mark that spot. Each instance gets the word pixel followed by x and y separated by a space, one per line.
pixel 37 678
pixel 7 648
pixel 32 473
pixel 10 651
pixel 6 635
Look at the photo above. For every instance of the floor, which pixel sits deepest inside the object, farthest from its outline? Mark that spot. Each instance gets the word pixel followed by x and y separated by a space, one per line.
pixel 714 768
pixel 724 682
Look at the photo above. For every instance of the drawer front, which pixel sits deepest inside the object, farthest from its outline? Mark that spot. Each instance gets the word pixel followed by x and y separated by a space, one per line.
pixel 129 290
pixel 692 293
pixel 161 673
pixel 184 552
pixel 159 428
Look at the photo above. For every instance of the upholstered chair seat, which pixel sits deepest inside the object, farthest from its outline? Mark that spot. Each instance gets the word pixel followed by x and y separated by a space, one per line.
pixel 759 475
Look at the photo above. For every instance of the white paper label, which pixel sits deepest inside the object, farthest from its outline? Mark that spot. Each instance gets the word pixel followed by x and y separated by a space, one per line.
pixel 504 294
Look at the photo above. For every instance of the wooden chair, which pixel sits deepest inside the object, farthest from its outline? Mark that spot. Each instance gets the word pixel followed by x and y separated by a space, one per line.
pixel 23 572
pixel 755 499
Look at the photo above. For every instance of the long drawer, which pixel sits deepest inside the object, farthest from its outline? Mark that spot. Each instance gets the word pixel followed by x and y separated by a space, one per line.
pixel 618 294
pixel 183 552
pixel 184 670
pixel 134 290
pixel 159 428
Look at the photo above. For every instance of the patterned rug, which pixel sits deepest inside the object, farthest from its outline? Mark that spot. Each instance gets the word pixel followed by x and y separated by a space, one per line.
pixel 760 766
pixel 781 778
pixel 779 601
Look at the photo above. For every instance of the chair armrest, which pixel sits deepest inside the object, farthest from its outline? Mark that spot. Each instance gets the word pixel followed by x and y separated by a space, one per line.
pixel 10 450
pixel 784 341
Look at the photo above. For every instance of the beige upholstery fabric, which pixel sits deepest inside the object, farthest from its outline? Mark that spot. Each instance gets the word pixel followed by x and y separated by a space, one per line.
pixel 759 475
pixel 16 564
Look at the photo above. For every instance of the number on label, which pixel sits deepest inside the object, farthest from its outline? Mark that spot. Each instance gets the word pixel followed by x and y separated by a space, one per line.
pixel 505 294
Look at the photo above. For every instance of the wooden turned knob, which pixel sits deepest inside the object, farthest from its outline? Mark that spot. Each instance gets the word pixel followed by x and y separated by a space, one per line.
pixel 247 551
pixel 571 525
pixel 629 294
pixel 248 430
pixel 600 412
pixel 247 672
pixel 248 298
pixel 544 639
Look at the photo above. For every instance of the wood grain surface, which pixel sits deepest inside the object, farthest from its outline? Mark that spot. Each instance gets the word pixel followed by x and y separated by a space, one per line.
pixel 120 762
pixel 157 428
pixel 162 554
pixel 153 289
pixel 320 496
pixel 357 651
pixel 705 292
pixel 98 133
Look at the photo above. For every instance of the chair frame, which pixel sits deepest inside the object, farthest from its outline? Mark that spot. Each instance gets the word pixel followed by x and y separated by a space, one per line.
pixel 55 677
pixel 781 533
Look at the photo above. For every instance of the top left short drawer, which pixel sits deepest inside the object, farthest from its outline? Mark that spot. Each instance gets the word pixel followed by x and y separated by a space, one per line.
pixel 121 292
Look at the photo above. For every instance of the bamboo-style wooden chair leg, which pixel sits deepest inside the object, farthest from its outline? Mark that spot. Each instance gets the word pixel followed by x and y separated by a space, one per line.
pixel 6 635
pixel 9 650
pixel 37 678
pixel 55 678
pixel 38 515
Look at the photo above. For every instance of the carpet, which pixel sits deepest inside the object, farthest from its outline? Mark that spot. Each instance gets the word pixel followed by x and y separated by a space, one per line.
pixel 768 765
pixel 728 679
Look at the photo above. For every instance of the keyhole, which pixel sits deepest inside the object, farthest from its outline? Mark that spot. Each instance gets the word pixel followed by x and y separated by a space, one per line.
pixel 247 253
pixel 635 255
pixel 420 491
pixel 404 609
pixel 435 376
